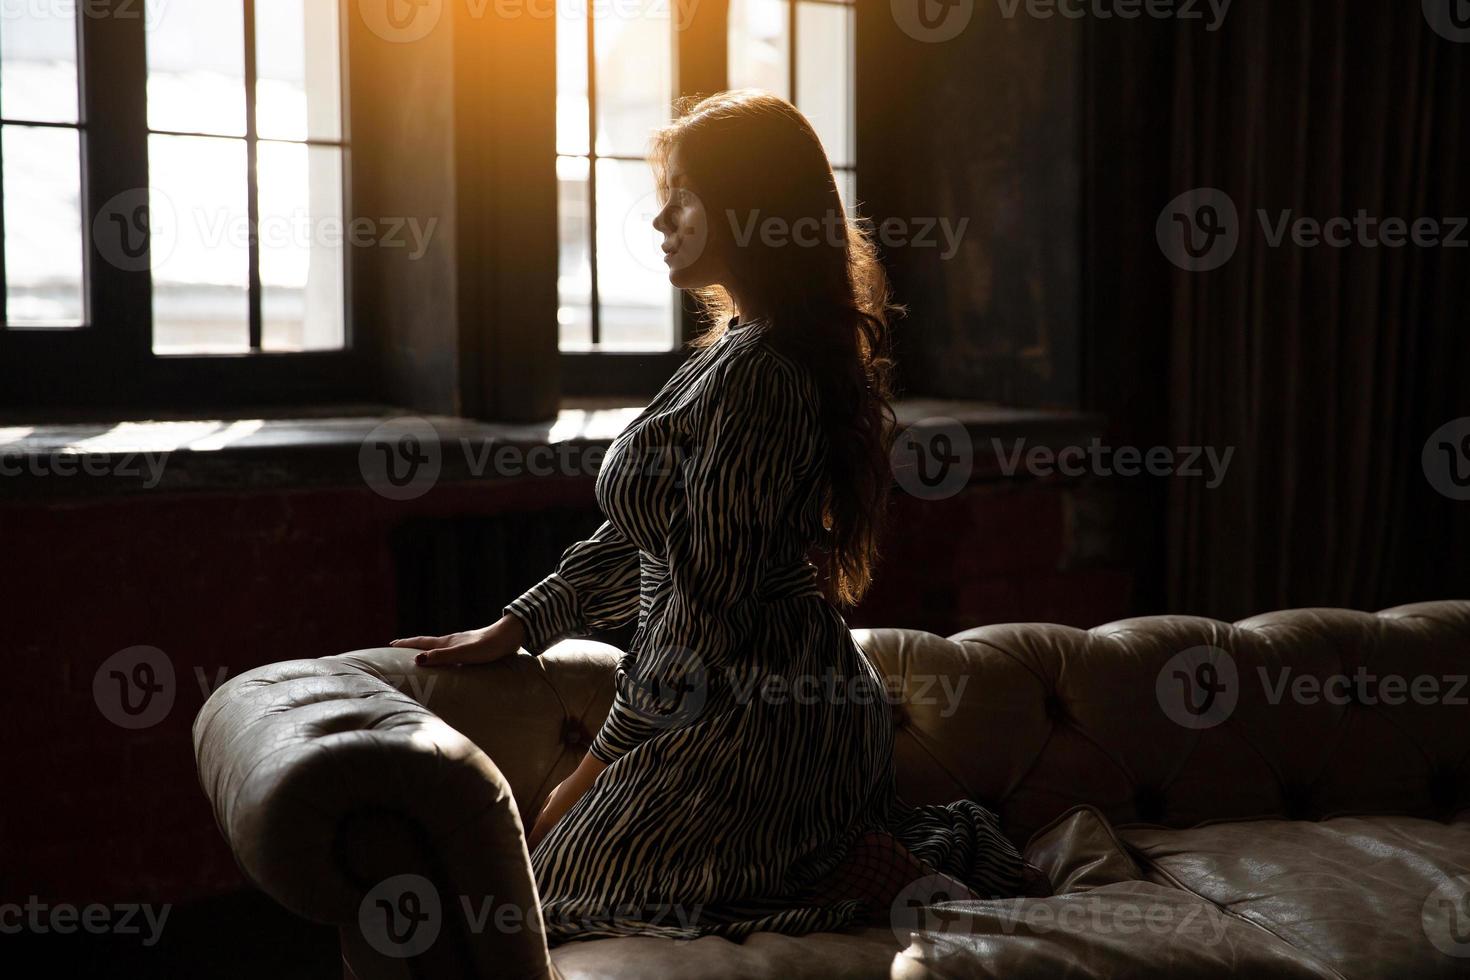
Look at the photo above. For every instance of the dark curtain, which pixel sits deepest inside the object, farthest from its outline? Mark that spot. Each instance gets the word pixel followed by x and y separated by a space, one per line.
pixel 1326 368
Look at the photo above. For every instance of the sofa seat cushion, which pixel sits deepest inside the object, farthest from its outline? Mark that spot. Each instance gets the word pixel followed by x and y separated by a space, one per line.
pixel 1380 896
pixel 866 954
pixel 1130 929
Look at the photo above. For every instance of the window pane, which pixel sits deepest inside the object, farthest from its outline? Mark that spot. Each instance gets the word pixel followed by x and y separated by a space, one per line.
pixel 847 187
pixel 759 46
pixel 824 74
pixel 301 235
pixel 38 52
pixel 571 81
pixel 196 66
pixel 297 86
pixel 633 285
pixel 574 272
pixel 43 226
pixel 201 251
pixel 635 44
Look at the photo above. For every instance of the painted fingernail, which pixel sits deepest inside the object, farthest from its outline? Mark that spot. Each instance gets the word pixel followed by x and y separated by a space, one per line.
pixel 421 659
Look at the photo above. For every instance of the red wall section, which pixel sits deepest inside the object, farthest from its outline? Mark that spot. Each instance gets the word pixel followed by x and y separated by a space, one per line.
pixel 224 582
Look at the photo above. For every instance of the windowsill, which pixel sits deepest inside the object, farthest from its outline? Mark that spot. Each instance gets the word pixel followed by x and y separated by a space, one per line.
pixel 322 448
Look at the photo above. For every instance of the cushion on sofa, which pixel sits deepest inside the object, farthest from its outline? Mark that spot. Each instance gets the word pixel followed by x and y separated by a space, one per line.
pixel 1079 851
pixel 867 954
pixel 1128 929
pixel 1131 929
pixel 1376 896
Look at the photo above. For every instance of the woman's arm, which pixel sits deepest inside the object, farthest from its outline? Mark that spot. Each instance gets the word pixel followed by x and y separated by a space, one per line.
pixel 594 587
pixel 567 793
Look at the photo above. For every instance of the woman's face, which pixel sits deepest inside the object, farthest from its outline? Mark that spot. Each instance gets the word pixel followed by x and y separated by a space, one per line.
pixel 690 250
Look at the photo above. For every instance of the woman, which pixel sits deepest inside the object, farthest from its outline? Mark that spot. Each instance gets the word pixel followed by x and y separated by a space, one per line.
pixel 743 780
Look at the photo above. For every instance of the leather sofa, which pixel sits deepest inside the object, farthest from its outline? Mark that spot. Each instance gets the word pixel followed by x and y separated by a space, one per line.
pixel 1285 796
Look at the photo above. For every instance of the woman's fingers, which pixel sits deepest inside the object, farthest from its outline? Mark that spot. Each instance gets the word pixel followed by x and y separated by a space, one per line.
pixel 438 657
pixel 456 653
pixel 470 647
pixel 422 642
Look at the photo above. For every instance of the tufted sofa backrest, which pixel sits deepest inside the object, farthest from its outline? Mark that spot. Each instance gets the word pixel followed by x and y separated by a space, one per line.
pixel 1033 719
pixel 1177 720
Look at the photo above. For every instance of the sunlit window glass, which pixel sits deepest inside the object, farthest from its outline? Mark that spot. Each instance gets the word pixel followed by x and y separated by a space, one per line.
pixel 614 87
pixel 41 149
pixel 218 288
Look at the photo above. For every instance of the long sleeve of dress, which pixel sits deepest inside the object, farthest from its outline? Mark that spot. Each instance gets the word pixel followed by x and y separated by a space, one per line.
pixel 753 426
pixel 594 587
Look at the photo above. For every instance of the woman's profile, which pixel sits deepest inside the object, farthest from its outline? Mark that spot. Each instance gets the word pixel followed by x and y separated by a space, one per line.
pixel 743 780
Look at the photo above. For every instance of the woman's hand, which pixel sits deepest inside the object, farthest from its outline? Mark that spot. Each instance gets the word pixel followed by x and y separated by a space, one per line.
pixel 567 792
pixel 482 646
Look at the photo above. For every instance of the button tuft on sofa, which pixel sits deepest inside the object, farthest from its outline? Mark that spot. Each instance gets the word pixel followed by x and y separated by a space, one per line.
pixel 1055 708
pixel 1148 802
pixel 1298 802
pixel 574 734
pixel 1443 790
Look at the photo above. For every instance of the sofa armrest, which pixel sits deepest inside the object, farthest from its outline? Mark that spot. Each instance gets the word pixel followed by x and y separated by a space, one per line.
pixel 340 795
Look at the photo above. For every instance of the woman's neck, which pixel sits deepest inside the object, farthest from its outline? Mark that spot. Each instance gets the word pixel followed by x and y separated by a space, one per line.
pixel 746 307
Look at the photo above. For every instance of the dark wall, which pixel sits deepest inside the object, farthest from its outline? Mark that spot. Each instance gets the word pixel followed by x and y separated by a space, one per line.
pixel 981 132
pixel 222 582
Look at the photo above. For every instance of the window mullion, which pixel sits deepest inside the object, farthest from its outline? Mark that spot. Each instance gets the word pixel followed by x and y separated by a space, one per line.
pixel 701 67
pixel 595 293
pixel 114 125
pixel 4 282
pixel 791 19
pixel 252 190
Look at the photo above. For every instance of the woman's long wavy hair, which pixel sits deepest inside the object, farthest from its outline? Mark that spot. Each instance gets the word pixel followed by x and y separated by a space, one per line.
pixel 753 158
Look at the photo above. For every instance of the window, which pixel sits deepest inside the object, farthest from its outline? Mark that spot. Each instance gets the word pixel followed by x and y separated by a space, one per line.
pixel 174 201
pixel 617 74
pixel 41 146
pixel 802 50
pixel 177 194
pixel 614 84
pixel 245 131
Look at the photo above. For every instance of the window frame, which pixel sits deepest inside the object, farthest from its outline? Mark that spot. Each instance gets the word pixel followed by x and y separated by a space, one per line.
pixel 107 364
pixel 493 352
pixel 698 66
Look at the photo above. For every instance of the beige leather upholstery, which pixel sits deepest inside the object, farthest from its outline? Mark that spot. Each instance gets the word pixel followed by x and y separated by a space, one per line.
pixel 1081 851
pixel 1348 892
pixel 1054 716
pixel 1129 929
pixel 331 776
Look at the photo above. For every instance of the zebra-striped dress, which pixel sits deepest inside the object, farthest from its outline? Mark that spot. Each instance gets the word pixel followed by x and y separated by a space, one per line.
pixel 750 741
